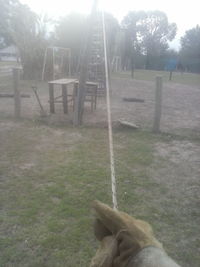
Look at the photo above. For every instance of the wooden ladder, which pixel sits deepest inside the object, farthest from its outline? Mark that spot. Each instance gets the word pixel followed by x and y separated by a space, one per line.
pixel 96 68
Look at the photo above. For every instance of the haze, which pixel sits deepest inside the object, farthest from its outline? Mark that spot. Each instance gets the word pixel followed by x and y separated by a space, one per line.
pixel 184 14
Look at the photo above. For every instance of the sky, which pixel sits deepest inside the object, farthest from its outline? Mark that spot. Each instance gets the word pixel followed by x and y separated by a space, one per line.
pixel 184 13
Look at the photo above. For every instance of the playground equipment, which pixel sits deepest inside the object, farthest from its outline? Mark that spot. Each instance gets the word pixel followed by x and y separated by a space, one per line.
pixel 96 68
pixel 57 63
pixel 16 93
pixel 116 64
pixel 92 65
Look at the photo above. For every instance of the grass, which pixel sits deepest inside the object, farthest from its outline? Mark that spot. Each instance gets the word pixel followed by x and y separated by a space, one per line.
pixel 49 178
pixel 46 217
pixel 149 75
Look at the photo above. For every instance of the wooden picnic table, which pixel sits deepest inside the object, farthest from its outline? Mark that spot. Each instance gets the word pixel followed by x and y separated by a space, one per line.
pixel 64 83
pixel 91 92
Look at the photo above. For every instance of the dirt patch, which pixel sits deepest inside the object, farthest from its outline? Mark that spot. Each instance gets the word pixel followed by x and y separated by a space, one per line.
pixel 54 172
pixel 179 152
pixel 179 172
pixel 175 172
pixel 180 105
pixel 180 109
pixel 8 125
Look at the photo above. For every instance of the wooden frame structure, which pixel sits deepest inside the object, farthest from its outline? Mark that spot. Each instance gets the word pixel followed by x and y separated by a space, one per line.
pixel 16 93
pixel 52 49
pixel 81 90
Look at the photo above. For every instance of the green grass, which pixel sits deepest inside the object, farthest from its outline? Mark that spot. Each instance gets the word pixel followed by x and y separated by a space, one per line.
pixel 149 75
pixel 49 178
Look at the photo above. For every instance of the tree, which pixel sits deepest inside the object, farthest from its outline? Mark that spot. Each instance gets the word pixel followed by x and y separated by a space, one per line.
pixel 69 33
pixel 28 32
pixel 149 32
pixel 154 32
pixel 6 12
pixel 131 48
pixel 22 27
pixel 112 29
pixel 190 49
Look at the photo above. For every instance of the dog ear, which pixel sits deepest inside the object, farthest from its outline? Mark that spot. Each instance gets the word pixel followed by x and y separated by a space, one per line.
pixel 116 221
pixel 110 218
pixel 100 230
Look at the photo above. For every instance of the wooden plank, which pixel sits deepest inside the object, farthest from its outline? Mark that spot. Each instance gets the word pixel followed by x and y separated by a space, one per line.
pixel 64 98
pixel 2 95
pixel 63 81
pixel 43 113
pixel 158 105
pixel 128 124
pixel 133 99
pixel 51 98
pixel 17 99
pixel 88 83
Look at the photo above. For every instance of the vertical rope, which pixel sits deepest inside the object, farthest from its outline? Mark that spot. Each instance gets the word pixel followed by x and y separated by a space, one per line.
pixel 112 164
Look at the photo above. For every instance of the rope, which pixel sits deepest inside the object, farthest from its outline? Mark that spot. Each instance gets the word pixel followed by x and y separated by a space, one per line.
pixel 110 134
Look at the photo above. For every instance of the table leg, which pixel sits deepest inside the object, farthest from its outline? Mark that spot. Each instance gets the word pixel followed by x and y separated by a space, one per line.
pixel 95 97
pixel 51 98
pixel 64 97
pixel 75 90
pixel 92 100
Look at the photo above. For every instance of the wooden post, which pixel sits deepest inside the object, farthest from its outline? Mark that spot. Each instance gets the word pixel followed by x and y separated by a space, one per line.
pixel 17 99
pixel 132 65
pixel 51 98
pixel 95 100
pixel 170 75
pixel 69 63
pixel 44 64
pixel 75 90
pixel 64 98
pixel 132 71
pixel 53 54
pixel 158 104
pixel 81 90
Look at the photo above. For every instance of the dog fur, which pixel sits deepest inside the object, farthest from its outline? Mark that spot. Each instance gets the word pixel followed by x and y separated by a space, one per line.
pixel 126 241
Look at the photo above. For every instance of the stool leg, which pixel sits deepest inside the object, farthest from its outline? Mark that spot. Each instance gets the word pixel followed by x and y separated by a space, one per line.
pixel 95 98
pixel 51 98
pixel 74 94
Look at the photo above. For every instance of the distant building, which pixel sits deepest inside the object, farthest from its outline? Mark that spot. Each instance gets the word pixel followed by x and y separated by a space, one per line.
pixel 10 53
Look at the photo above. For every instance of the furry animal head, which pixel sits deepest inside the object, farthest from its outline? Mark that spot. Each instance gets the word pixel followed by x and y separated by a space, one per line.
pixel 115 222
